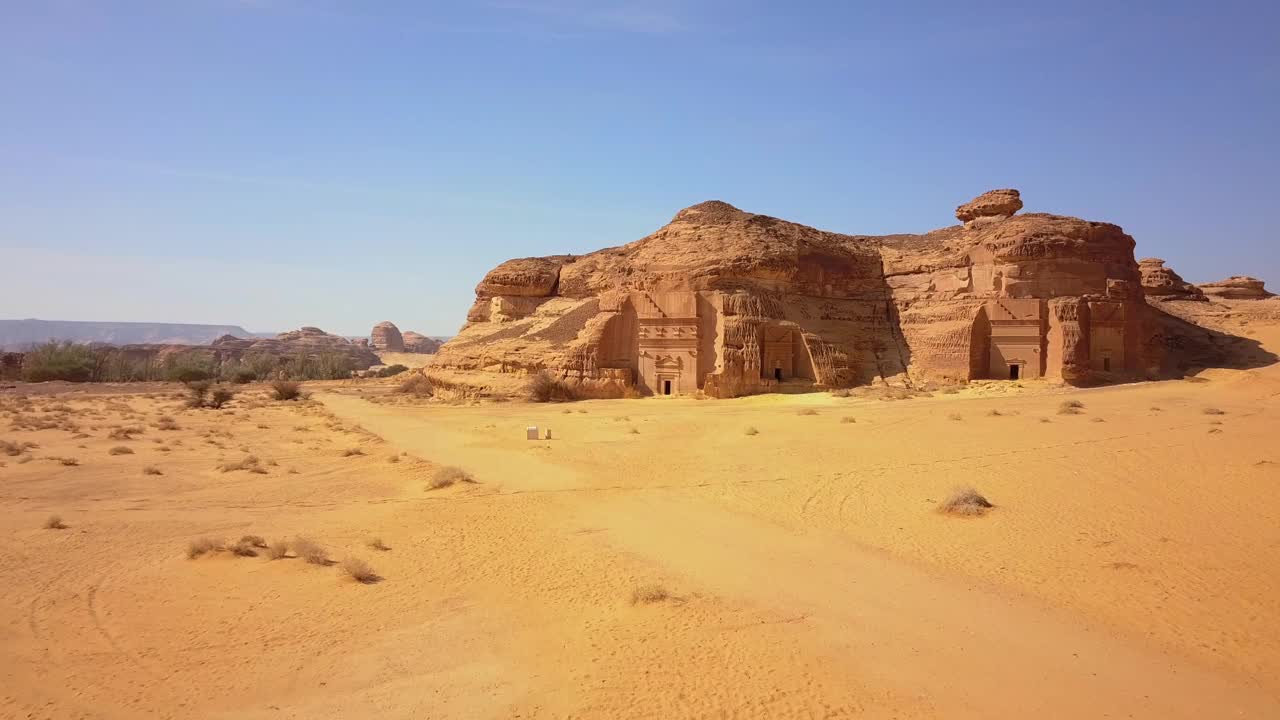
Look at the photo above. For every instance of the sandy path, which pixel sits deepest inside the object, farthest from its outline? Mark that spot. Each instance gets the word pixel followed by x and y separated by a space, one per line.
pixel 963 649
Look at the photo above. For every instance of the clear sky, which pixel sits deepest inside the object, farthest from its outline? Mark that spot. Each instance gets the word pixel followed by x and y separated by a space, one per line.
pixel 275 163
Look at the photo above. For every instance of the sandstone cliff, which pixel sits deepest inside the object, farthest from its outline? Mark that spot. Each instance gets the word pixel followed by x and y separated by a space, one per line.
pixel 419 343
pixel 386 337
pixel 730 302
pixel 1162 283
pixel 308 343
pixel 1238 287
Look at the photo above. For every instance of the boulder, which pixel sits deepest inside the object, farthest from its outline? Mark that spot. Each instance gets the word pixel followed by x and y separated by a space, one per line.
pixel 991 204
pixel 385 337
pixel 1236 287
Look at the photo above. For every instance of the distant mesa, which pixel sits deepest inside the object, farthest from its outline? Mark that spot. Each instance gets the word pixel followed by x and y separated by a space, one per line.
pixel 1160 282
pixel 386 337
pixel 1237 287
pixel 21 334
pixel 727 302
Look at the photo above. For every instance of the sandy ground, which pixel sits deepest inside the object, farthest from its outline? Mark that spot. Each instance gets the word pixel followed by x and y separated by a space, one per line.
pixel 1129 568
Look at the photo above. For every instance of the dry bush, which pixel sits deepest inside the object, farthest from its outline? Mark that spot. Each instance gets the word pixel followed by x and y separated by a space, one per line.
pixel 418 385
pixel 955 416
pixel 751 431
pixel 124 433
pixel 449 475
pixel 204 545
pixel 248 463
pixel 633 430
pixel 11 449
pixel 359 571
pixel 393 459
pixel 806 411
pixel 1214 411
pixel 994 412
pixel 1070 407
pixel 649 594
pixel 847 419
pixel 1097 419
pixel 197 393
pixel 54 522
pixel 377 544
pixel 286 390
pixel 542 387
pixel 68 461
pixel 310 551
pixel 151 470
pixel 254 541
pixel 120 450
pixel 965 502
pixel 167 423
pixel 350 452
pixel 278 549
pixel 244 549
pixel 219 397
pixel 841 392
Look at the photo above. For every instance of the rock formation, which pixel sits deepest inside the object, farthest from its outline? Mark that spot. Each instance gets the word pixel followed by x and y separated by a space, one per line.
pixel 993 204
pixel 1162 283
pixel 1236 287
pixel 419 343
pixel 386 337
pixel 307 342
pixel 730 303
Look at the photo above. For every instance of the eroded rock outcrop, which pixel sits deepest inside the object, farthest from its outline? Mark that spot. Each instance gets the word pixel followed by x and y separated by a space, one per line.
pixel 729 302
pixel 419 343
pixel 1236 287
pixel 386 337
pixel 305 345
pixel 993 204
pixel 1162 283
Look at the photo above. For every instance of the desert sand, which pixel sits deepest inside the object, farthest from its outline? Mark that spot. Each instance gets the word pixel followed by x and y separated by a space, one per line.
pixel 777 556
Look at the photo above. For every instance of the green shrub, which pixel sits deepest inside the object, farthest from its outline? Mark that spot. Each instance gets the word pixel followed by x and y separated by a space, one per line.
pixel 59 361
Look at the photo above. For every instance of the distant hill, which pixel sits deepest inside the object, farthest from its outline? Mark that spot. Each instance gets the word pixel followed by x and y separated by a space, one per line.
pixel 20 334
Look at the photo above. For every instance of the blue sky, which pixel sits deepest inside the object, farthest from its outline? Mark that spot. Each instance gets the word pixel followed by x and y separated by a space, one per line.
pixel 274 163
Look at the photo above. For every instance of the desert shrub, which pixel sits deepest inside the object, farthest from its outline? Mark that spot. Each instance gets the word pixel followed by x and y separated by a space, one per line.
pixel 167 423
pixel 449 475
pixel 751 431
pixel 120 450
pixel 391 371
pixel 955 416
pixel 11 449
pixel 151 470
pixel 351 452
pixel 249 463
pixel 1070 407
pixel 418 384
pixel 965 502
pixel 203 546
pixel 54 522
pixel 244 549
pixel 377 544
pixel 993 412
pixel 542 387
pixel 633 430
pixel 68 461
pixel 219 396
pixel 198 393
pixel 188 370
pixel 240 375
pixel 359 570
pixel 393 459
pixel 286 390
pixel 806 411
pixel 53 360
pixel 278 549
pixel 848 419
pixel 310 551
pixel 649 594
pixel 322 366
pixel 124 432
pixel 1214 411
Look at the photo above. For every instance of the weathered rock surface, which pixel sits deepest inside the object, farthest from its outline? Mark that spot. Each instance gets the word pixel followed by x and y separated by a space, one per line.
pixel 386 337
pixel 729 302
pixel 419 343
pixel 1236 287
pixel 1160 282
pixel 991 204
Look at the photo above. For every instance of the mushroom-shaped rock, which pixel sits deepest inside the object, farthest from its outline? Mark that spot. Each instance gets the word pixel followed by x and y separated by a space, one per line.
pixel 386 337
pixel 993 203
pixel 419 343
pixel 525 277
pixel 1161 282
pixel 1237 287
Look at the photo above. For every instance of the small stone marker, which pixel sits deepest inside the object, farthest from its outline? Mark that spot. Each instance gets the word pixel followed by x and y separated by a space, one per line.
pixel 531 432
